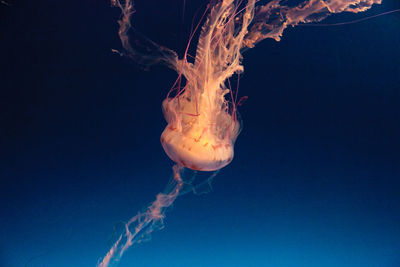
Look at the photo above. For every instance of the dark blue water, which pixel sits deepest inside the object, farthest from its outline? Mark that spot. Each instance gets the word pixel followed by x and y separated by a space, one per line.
pixel 316 175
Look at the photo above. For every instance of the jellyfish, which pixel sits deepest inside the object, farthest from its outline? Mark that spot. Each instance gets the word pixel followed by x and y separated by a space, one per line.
pixel 202 119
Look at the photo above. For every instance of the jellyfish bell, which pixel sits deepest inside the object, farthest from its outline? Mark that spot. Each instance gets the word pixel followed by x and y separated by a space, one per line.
pixel 205 153
pixel 201 131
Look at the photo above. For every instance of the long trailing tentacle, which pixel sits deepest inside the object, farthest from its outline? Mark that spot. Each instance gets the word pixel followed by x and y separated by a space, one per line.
pixel 271 19
pixel 140 226
pixel 153 53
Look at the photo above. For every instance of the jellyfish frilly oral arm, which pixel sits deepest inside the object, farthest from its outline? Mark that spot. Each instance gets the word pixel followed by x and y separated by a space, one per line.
pixel 271 19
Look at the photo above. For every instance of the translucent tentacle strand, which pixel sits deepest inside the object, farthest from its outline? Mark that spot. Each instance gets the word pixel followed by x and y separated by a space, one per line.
pixel 140 227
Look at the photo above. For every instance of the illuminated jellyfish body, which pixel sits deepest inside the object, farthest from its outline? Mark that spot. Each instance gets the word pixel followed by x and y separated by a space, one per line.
pixel 202 123
pixel 202 127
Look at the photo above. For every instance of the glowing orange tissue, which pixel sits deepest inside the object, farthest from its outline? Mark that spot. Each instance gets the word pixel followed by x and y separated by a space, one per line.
pixel 200 134
pixel 202 124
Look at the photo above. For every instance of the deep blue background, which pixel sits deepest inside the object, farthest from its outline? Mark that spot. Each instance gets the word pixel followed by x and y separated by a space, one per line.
pixel 316 176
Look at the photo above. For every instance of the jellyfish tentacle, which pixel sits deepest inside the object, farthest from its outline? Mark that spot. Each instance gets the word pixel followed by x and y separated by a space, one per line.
pixel 144 223
pixel 271 19
pixel 154 54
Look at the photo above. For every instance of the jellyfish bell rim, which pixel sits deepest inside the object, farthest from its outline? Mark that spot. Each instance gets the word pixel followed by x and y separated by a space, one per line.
pixel 204 154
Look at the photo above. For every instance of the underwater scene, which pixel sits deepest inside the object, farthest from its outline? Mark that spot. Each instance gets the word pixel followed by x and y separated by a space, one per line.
pixel 245 133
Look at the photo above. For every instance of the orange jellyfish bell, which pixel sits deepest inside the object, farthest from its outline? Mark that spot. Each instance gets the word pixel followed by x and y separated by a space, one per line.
pixel 201 140
pixel 204 153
